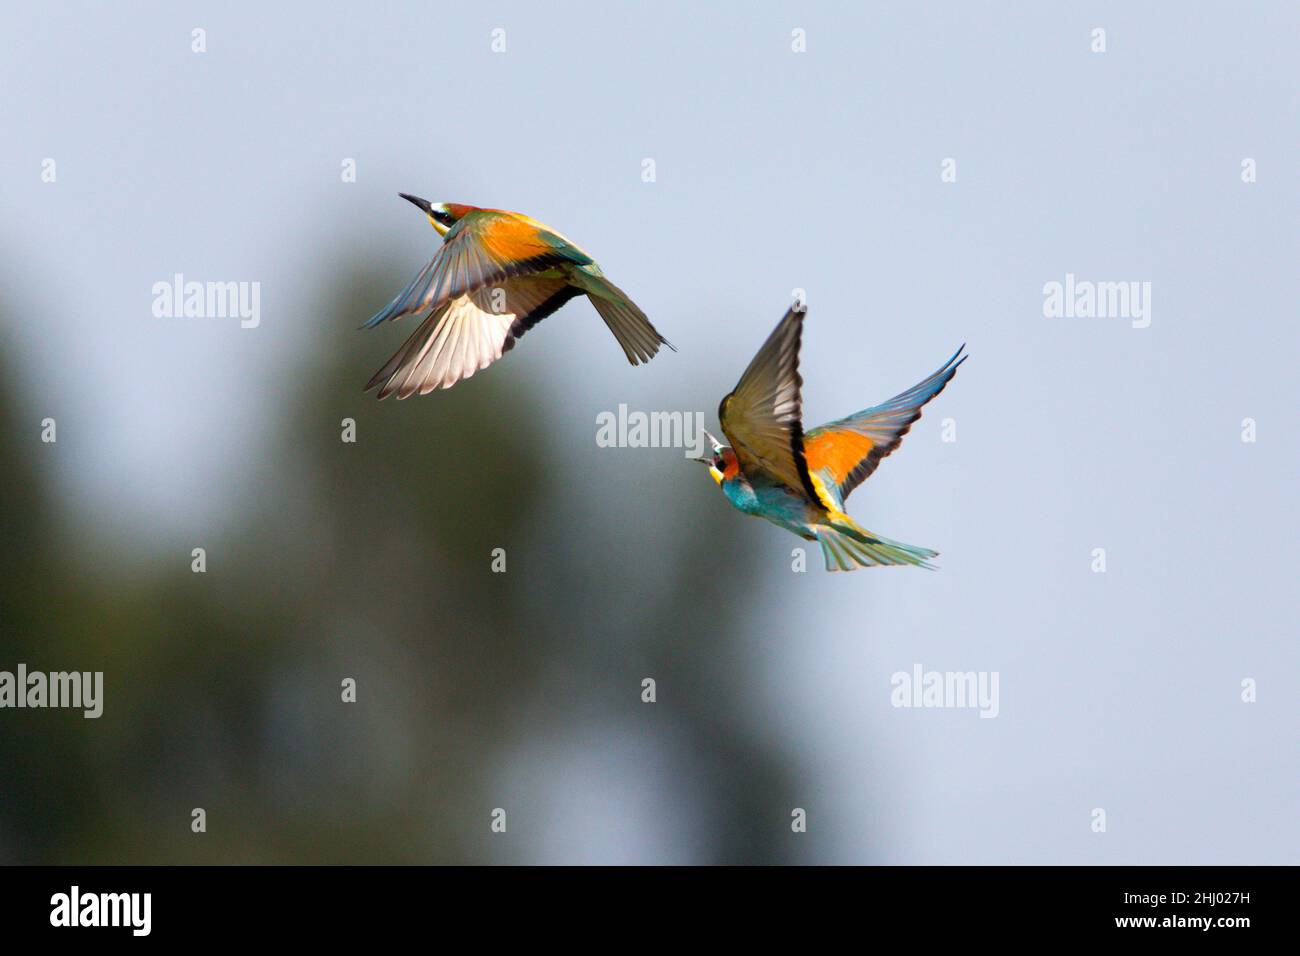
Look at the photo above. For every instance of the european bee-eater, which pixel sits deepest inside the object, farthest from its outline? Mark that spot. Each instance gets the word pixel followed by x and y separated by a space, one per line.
pixel 799 480
pixel 496 275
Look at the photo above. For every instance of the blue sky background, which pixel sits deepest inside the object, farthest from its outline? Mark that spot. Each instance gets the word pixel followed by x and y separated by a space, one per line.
pixel 775 171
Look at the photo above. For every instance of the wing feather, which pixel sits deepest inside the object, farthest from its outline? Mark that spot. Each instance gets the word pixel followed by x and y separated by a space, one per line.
pixel 465 335
pixel 762 415
pixel 848 450
pixel 485 248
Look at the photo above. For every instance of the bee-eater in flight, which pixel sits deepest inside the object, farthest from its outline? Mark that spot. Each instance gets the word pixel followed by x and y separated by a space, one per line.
pixel 799 480
pixel 496 275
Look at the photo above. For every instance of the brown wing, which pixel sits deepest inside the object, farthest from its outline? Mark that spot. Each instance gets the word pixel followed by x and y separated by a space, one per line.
pixel 762 417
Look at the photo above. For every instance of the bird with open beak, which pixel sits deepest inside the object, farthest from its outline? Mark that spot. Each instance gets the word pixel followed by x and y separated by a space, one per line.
pixel 800 480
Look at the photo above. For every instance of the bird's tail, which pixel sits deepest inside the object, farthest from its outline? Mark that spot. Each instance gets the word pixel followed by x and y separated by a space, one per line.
pixel 846 546
pixel 640 340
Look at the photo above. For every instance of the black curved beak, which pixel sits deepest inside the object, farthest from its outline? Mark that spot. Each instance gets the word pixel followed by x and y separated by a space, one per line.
pixel 703 461
pixel 423 204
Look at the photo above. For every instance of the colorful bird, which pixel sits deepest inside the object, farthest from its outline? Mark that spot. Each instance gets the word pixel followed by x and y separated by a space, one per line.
pixel 799 481
pixel 497 275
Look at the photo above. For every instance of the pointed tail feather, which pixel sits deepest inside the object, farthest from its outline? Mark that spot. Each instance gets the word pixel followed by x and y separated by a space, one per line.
pixel 847 547
pixel 640 340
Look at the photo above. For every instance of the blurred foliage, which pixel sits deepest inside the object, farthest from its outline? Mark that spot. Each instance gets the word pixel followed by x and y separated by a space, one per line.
pixel 372 560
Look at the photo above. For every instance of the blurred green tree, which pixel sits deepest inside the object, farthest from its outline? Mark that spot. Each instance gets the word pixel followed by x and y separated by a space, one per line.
pixel 371 561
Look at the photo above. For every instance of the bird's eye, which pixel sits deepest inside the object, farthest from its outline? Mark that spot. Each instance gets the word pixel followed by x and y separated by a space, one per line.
pixel 442 217
pixel 719 464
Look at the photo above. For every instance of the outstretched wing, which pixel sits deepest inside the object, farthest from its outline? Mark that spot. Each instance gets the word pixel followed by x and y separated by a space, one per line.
pixel 845 452
pixel 486 247
pixel 762 415
pixel 469 333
